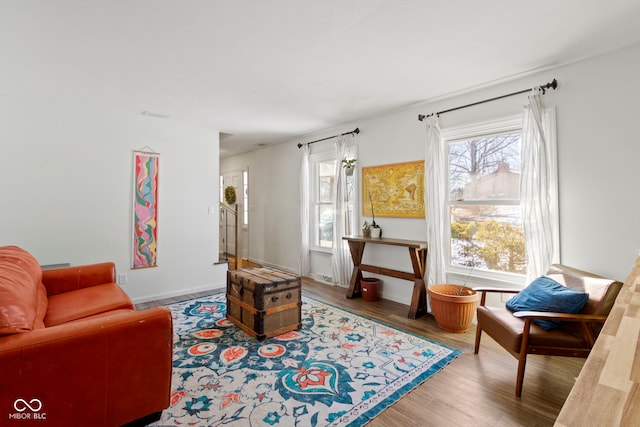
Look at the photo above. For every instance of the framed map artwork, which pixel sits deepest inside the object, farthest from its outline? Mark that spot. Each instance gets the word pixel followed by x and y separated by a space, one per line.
pixel 394 190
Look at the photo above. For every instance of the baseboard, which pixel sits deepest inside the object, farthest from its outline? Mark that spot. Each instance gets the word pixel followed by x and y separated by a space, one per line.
pixel 270 265
pixel 323 278
pixel 180 292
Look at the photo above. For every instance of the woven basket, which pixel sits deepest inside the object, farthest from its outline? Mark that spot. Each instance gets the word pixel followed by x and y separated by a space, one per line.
pixel 453 312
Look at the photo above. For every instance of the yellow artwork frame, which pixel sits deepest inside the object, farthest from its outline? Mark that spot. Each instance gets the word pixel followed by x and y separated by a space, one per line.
pixel 394 190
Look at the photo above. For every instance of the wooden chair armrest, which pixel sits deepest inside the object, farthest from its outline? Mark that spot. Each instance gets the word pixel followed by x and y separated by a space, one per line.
pixel 498 290
pixel 565 317
pixel 485 290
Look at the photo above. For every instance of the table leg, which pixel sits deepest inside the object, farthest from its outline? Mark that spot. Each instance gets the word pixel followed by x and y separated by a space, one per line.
pixel 419 297
pixel 356 249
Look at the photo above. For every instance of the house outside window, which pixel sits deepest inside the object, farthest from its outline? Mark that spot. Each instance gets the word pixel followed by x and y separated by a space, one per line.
pixel 486 232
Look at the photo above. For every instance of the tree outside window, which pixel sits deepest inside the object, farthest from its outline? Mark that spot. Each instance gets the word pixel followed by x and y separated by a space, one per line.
pixel 484 203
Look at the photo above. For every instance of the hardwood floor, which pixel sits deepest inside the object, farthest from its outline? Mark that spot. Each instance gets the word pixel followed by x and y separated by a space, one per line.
pixel 473 390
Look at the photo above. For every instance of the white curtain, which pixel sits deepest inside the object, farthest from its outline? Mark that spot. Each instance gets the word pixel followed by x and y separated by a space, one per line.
pixel 535 189
pixel 304 255
pixel 435 184
pixel 341 262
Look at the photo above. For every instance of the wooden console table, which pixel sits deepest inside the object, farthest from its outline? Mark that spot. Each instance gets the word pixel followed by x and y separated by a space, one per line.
pixel 418 254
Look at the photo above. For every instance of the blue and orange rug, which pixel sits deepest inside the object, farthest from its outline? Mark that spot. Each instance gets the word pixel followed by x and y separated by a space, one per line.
pixel 339 369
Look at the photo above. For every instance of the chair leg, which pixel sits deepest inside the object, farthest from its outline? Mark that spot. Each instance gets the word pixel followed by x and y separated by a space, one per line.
pixel 476 348
pixel 522 361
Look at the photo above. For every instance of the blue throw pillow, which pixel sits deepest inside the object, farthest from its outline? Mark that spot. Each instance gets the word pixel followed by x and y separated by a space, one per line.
pixel 545 294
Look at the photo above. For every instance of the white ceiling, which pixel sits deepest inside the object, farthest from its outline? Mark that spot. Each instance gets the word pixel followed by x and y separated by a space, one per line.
pixel 268 71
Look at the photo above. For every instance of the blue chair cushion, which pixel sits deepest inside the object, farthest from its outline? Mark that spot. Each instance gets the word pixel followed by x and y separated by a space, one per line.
pixel 545 294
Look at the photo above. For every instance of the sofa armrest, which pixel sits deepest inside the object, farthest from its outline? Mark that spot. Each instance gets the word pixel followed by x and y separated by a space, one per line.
pixel 104 371
pixel 60 280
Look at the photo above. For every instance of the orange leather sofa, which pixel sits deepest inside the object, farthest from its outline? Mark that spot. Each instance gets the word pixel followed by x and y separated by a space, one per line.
pixel 73 349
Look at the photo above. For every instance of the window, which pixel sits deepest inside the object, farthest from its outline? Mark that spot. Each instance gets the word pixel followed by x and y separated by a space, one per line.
pixel 325 173
pixel 245 197
pixel 484 203
pixel 323 188
pixel 221 189
pixel 486 231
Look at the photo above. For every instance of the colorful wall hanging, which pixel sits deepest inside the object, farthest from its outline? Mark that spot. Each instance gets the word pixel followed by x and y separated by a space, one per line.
pixel 145 209
pixel 394 190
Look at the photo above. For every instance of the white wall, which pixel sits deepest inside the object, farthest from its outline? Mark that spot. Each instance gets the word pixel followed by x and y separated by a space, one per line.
pixel 273 203
pixel 597 109
pixel 66 192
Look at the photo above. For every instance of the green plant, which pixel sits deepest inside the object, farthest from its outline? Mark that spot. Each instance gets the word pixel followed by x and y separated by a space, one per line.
pixel 348 163
pixel 366 225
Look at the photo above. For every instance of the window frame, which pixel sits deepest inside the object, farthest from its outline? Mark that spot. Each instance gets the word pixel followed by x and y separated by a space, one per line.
pixel 314 160
pixel 461 274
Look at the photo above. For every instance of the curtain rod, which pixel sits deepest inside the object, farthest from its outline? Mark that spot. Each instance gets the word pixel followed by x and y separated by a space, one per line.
pixel 355 131
pixel 551 85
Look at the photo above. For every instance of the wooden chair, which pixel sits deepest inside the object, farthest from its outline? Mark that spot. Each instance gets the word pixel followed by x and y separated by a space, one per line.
pixel 520 336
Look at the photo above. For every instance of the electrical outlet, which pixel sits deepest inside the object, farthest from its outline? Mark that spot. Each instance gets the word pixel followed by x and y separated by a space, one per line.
pixel 122 278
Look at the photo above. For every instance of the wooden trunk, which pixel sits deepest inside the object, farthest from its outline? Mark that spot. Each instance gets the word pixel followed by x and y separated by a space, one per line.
pixel 264 302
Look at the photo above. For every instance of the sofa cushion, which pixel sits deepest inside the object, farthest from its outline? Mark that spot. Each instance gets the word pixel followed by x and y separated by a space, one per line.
pixel 86 302
pixel 106 316
pixel 545 294
pixel 22 300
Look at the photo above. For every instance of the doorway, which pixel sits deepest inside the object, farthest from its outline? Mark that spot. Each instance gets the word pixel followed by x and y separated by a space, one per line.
pixel 234 218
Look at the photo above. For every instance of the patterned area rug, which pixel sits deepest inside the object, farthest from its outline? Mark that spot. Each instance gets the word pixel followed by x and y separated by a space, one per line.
pixel 339 369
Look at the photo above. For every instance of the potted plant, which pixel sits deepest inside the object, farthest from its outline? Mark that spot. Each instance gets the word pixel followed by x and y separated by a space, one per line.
pixel 366 229
pixel 376 231
pixel 349 166
pixel 453 306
